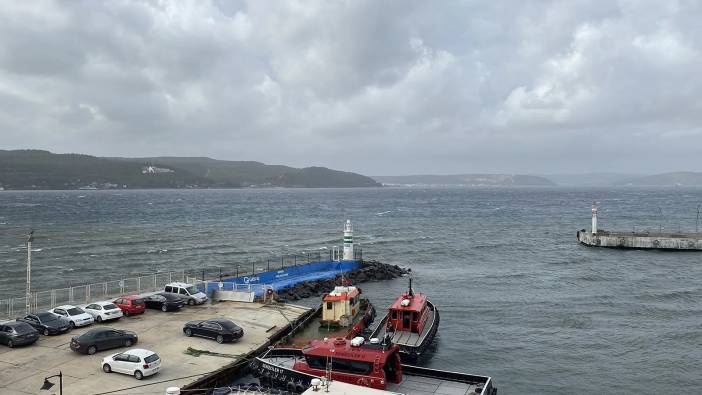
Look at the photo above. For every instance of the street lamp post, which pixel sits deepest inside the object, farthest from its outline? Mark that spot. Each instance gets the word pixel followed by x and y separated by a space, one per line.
pixel 28 296
pixel 48 384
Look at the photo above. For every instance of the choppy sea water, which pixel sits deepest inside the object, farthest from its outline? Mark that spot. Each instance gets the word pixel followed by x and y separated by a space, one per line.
pixel 520 300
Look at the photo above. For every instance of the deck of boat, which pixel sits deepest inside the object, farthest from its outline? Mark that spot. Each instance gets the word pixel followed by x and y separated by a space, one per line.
pixel 417 385
pixel 406 338
pixel 412 384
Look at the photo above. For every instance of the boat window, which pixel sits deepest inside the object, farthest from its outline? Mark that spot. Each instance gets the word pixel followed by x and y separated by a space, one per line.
pixel 316 362
pixel 393 315
pixel 330 305
pixel 356 367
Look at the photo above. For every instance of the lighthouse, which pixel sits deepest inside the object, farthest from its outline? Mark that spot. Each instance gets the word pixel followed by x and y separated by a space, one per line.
pixel 348 241
pixel 594 218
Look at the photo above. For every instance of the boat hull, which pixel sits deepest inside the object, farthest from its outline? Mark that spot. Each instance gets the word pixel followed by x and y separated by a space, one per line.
pixel 277 375
pixel 314 328
pixel 414 348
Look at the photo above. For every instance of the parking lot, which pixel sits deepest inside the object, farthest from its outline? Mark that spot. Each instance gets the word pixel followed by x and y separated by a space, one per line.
pixel 22 369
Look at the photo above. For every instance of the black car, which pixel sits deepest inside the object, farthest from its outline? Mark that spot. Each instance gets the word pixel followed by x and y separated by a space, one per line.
pixel 164 301
pixel 47 323
pixel 17 334
pixel 219 329
pixel 102 339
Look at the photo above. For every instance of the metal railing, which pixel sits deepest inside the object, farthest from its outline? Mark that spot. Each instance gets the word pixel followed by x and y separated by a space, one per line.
pixel 83 294
pixel 11 308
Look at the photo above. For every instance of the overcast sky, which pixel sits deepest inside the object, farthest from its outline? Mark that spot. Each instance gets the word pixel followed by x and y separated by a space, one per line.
pixel 378 87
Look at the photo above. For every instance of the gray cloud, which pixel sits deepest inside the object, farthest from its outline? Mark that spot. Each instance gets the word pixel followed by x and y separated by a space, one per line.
pixel 377 87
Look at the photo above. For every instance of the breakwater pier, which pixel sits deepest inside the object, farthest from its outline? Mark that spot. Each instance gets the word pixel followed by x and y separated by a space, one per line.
pixel 596 237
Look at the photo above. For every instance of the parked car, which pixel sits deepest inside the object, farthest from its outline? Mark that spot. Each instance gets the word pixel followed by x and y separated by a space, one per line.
pixel 103 311
pixel 17 334
pixel 47 323
pixel 220 329
pixel 136 362
pixel 75 315
pixel 130 305
pixel 189 292
pixel 99 339
pixel 164 301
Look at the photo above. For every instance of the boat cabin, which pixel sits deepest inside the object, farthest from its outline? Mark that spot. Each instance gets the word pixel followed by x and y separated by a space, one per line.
pixel 352 361
pixel 340 306
pixel 409 312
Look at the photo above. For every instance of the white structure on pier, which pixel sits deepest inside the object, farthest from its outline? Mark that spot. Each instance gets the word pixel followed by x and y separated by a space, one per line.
pixel 348 241
pixel 594 218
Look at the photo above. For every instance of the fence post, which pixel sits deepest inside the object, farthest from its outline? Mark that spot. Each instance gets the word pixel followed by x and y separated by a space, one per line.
pixel 253 268
pixel 104 289
pixel 282 261
pixel 203 274
pixel 170 277
pixel 53 298
pixel 268 268
pixel 295 260
pixel 138 284
pixel 87 293
pixel 70 295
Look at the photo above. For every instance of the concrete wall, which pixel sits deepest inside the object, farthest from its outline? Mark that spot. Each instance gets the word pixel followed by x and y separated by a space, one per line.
pixel 623 240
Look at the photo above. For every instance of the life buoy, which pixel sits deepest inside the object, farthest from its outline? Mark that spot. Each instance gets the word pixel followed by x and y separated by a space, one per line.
pixel 300 388
pixel 290 386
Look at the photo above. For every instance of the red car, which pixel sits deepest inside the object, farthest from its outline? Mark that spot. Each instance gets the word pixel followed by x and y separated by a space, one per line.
pixel 131 304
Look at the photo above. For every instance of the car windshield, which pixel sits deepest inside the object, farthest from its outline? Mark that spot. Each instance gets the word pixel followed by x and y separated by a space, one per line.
pixel 110 306
pixel 23 329
pixel 192 290
pixel 228 325
pixel 75 311
pixel 46 317
pixel 151 358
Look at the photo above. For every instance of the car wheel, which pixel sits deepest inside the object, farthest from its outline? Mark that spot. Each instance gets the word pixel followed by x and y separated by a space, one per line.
pixel 220 339
pixel 126 313
pixel 106 368
pixel 10 344
pixel 46 332
pixel 128 343
pixel 72 325
pixel 138 375
pixel 92 350
pixel 164 308
pixel 191 302
pixel 98 319
pixel 188 332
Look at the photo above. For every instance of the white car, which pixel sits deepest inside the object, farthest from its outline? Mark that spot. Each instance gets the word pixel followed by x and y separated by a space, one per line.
pixel 103 311
pixel 76 315
pixel 187 292
pixel 136 362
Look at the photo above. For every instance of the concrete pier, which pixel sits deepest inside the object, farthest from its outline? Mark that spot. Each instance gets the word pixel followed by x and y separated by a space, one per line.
pixel 184 360
pixel 637 240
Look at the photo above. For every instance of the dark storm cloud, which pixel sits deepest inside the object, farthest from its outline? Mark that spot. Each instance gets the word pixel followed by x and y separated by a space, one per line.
pixel 377 87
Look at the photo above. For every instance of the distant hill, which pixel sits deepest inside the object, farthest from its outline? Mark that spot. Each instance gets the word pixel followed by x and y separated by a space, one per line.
pixel 466 180
pixel 681 178
pixel 35 169
pixel 591 179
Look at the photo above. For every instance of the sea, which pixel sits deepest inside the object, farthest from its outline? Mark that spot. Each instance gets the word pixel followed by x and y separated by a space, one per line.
pixel 520 299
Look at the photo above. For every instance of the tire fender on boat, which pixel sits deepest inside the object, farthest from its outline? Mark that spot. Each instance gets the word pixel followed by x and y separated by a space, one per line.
pixel 290 386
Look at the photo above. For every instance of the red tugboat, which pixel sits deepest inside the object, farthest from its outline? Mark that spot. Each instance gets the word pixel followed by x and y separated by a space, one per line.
pixel 373 365
pixel 411 323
